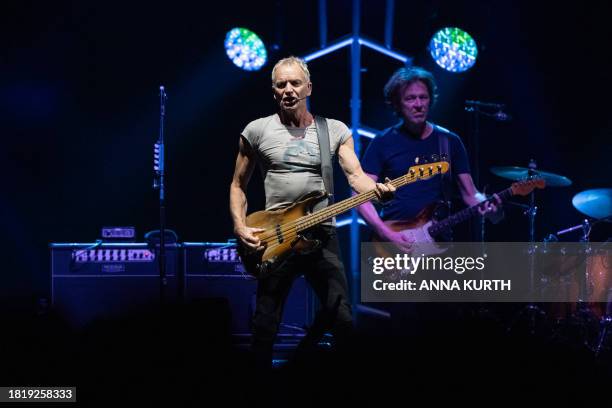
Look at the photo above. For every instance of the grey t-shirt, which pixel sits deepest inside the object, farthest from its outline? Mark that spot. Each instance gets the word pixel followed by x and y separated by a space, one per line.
pixel 289 158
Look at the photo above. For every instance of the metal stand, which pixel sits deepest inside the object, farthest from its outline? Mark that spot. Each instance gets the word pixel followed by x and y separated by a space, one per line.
pixel 606 320
pixel 158 184
pixel 478 224
pixel 478 109
pixel 356 41
pixel 584 278
pixel 531 214
pixel 605 323
pixel 532 310
pixel 583 317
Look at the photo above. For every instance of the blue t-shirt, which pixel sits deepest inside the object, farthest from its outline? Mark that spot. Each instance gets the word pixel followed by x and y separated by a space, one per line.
pixel 393 152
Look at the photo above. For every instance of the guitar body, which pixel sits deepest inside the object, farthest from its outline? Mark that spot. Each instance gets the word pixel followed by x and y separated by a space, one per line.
pixel 279 245
pixel 416 229
pixel 428 223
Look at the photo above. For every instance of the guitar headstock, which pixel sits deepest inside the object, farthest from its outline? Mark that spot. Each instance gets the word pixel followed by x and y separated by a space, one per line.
pixel 430 159
pixel 427 170
pixel 525 187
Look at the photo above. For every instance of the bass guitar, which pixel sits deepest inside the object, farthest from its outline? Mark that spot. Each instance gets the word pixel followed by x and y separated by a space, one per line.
pixel 284 229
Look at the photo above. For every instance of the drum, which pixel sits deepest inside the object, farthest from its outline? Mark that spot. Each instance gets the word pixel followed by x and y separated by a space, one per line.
pixel 599 283
pixel 569 277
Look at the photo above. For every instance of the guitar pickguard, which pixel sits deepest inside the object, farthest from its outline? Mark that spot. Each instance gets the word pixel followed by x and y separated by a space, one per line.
pixel 419 234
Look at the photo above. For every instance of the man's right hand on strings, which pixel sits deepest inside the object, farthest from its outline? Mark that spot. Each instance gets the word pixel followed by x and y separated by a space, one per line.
pixel 402 241
pixel 248 237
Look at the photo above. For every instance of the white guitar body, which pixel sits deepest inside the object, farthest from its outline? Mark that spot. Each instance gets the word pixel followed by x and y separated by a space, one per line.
pixel 419 234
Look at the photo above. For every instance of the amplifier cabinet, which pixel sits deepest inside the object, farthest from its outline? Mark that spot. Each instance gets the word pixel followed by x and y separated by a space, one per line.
pixel 108 280
pixel 213 270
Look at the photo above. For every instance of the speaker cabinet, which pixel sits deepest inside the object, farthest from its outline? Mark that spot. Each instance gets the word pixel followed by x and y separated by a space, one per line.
pixel 213 270
pixel 108 280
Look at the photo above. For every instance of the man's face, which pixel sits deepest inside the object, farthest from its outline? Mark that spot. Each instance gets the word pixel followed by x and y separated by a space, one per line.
pixel 289 86
pixel 414 103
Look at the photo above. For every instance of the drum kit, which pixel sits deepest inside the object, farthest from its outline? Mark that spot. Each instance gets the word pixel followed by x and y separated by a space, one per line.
pixel 591 283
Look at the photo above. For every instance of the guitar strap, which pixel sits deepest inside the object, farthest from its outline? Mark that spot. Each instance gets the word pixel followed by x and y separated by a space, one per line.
pixel 327 168
pixel 447 179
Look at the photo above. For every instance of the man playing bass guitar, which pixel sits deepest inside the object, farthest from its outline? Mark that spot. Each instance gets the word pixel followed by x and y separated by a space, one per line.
pixel 285 145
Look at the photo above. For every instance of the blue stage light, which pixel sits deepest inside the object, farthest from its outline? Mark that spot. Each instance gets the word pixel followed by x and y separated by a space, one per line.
pixel 245 49
pixel 453 49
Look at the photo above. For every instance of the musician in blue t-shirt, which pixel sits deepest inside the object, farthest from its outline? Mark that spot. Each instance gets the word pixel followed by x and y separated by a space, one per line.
pixel 411 92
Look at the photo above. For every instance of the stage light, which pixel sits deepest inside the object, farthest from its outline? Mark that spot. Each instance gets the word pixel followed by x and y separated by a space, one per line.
pixel 245 49
pixel 348 221
pixel 367 133
pixel 453 49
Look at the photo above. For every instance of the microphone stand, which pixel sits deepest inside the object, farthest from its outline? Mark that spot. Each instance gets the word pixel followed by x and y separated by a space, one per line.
pixel 158 184
pixel 531 310
pixel 474 108
pixel 478 109
pixel 531 214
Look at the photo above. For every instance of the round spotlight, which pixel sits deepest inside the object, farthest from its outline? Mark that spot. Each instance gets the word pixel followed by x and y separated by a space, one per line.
pixel 453 49
pixel 245 49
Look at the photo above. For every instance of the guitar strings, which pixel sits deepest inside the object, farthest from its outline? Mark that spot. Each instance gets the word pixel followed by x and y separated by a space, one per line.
pixel 290 230
pixel 319 216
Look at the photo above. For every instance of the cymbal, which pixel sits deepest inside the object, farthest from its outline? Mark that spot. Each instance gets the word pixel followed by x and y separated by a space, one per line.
pixel 523 173
pixel 596 203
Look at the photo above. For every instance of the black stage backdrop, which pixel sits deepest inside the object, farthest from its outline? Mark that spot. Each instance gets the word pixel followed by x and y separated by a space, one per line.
pixel 79 108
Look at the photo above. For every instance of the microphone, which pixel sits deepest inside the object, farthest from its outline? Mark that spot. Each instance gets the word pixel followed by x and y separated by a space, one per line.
pixel 499 106
pixel 296 98
pixel 162 99
pixel 502 116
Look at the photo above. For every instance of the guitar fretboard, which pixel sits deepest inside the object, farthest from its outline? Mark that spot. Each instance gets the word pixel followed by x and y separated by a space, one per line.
pixel 426 171
pixel 463 215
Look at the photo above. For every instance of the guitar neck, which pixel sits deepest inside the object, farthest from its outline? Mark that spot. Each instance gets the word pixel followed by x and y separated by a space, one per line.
pixel 343 206
pixel 463 215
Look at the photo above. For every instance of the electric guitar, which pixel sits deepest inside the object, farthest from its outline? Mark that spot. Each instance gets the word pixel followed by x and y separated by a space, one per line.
pixel 285 228
pixel 424 228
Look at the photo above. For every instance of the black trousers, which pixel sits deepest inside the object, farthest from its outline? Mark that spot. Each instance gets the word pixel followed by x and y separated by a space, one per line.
pixel 324 272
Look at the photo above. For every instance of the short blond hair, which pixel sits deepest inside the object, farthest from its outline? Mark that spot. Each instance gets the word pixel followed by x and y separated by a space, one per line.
pixel 292 60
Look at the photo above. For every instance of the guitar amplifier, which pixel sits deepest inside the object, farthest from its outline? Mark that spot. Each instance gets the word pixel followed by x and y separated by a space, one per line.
pixel 214 270
pixel 108 280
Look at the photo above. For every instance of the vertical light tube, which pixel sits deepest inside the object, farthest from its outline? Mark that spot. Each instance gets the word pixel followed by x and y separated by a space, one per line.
pixel 355 125
pixel 389 14
pixel 322 23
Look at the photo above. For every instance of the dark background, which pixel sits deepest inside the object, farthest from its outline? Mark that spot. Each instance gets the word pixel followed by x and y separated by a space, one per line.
pixel 79 108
